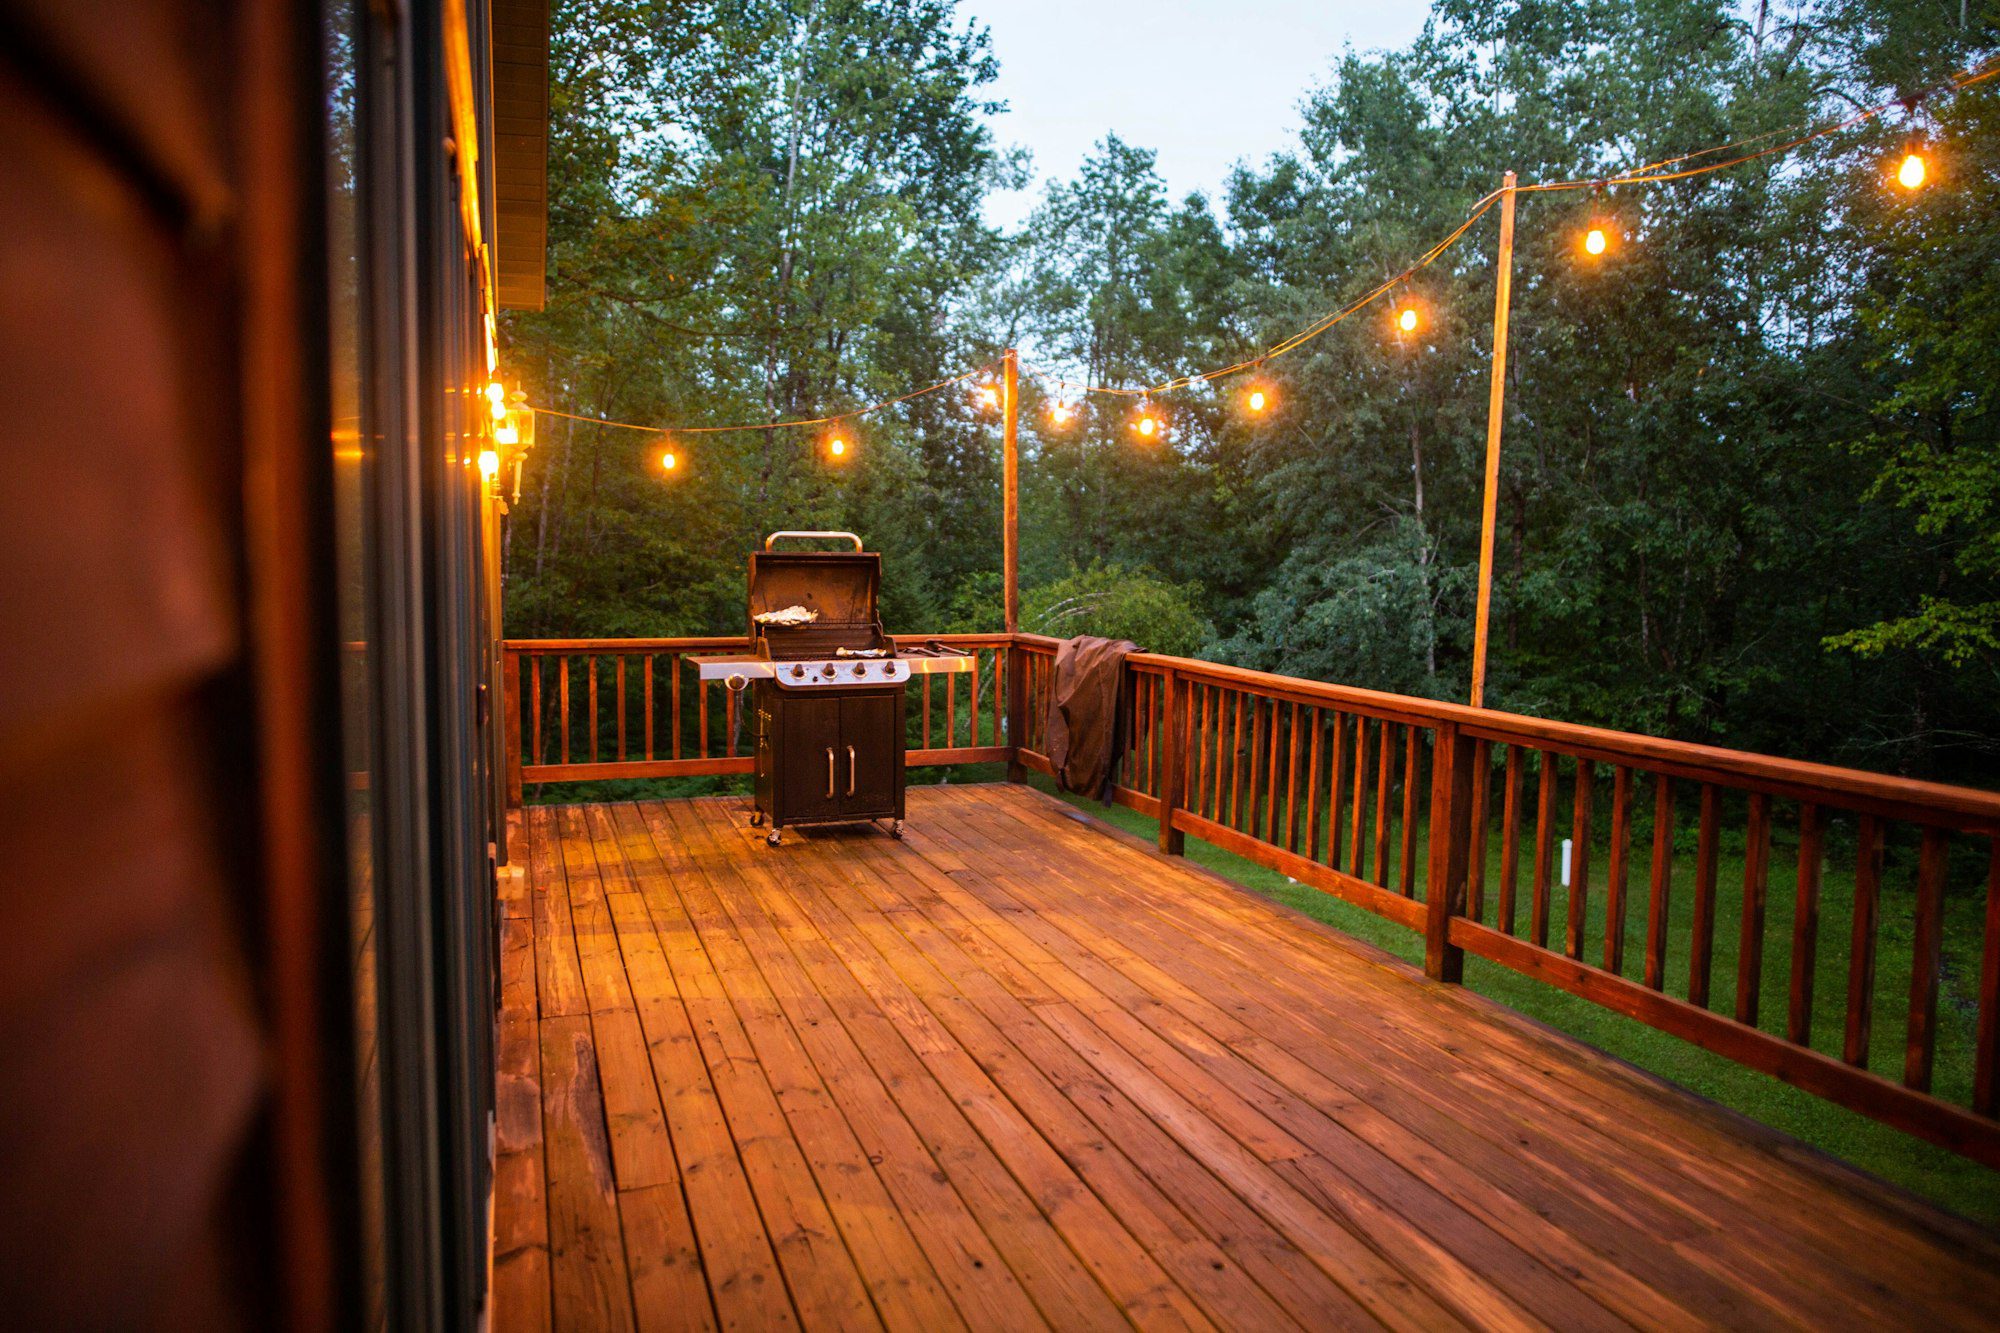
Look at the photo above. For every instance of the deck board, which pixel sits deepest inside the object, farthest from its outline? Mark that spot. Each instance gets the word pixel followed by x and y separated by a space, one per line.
pixel 1023 1070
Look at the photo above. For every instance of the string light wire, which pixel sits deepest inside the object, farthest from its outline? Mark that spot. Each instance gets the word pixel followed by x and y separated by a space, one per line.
pixel 1651 173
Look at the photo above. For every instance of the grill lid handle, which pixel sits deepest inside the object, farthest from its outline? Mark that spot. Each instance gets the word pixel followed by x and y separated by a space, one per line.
pixel 848 536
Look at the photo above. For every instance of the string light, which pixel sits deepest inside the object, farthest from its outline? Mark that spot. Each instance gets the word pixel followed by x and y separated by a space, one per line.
pixel 1910 175
pixel 1407 321
pixel 496 399
pixel 836 446
pixel 669 461
pixel 989 396
pixel 1147 423
pixel 1594 242
pixel 1060 412
pixel 489 463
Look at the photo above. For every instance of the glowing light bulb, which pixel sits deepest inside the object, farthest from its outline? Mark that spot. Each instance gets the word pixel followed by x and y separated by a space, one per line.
pixel 989 396
pixel 1910 174
pixel 1060 413
pixel 1593 241
pixel 836 446
pixel 489 463
pixel 1256 400
pixel 1146 425
pixel 496 399
pixel 506 433
pixel 669 460
pixel 1407 321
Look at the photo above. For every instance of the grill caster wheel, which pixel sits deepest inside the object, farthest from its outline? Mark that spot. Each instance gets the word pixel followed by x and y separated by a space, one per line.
pixel 896 829
pixel 756 819
pixel 773 837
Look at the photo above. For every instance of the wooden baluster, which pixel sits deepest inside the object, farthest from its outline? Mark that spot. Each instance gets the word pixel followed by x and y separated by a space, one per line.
pixel 1756 886
pixel 950 711
pixel 595 728
pixel 649 707
pixel 1805 926
pixel 511 666
pixel 927 713
pixel 1251 820
pixel 1333 764
pixel 1615 873
pixel 1270 824
pixel 674 688
pixel 701 714
pixel 1385 777
pixel 1926 955
pixel 1861 946
pixel 620 701
pixel 1317 721
pixel 1545 832
pixel 1702 948
pixel 1406 870
pixel 729 721
pixel 1291 842
pixel 1156 762
pixel 1475 852
pixel 1579 859
pixel 972 713
pixel 1660 886
pixel 1235 759
pixel 1355 840
pixel 1201 700
pixel 563 701
pixel 1986 1046
pixel 535 689
pixel 1510 839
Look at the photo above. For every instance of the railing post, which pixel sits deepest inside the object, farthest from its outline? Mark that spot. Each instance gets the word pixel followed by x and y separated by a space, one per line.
pixel 1017 696
pixel 1172 726
pixel 1450 847
pixel 510 693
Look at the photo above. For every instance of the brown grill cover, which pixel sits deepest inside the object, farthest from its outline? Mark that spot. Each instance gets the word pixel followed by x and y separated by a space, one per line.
pixel 1083 719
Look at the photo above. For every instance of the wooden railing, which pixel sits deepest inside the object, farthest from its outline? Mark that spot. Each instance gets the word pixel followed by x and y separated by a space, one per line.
pixel 1451 822
pixel 582 710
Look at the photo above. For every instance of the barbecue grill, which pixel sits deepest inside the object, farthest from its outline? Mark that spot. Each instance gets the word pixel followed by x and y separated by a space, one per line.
pixel 827 687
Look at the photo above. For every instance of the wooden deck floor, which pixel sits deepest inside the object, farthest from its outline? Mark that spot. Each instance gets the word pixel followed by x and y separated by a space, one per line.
pixel 1021 1071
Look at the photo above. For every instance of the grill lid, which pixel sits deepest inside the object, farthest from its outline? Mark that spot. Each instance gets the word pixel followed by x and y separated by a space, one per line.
pixel 842 586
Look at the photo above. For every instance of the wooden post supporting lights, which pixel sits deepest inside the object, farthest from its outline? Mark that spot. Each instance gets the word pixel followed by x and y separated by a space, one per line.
pixel 1010 550
pixel 1496 404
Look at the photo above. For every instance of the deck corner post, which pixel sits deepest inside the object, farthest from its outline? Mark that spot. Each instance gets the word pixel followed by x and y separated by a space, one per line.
pixel 1017 696
pixel 510 694
pixel 1449 859
pixel 1173 737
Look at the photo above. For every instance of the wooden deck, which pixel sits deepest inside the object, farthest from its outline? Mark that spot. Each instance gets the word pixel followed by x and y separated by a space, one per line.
pixel 1020 1070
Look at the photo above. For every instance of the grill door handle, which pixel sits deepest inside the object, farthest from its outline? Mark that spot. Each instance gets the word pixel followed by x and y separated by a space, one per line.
pixel 850 770
pixel 829 772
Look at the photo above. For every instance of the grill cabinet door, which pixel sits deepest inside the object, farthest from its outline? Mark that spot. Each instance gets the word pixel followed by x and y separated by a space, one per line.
pixel 871 728
pixel 812 765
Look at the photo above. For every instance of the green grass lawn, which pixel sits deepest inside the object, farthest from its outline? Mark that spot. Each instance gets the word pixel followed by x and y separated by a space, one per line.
pixel 1945 1177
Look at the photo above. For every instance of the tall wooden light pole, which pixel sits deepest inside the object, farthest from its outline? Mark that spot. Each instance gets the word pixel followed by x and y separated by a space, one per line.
pixel 1496 402
pixel 1010 511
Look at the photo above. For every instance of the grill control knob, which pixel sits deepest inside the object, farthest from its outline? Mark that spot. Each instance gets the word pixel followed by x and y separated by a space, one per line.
pixel 827 671
pixel 860 668
pixel 798 672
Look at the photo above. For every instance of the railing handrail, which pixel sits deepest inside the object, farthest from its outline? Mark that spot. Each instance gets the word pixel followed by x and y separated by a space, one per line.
pixel 1964 809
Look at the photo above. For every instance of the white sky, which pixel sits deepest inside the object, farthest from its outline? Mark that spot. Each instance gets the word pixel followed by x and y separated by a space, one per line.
pixel 1204 83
